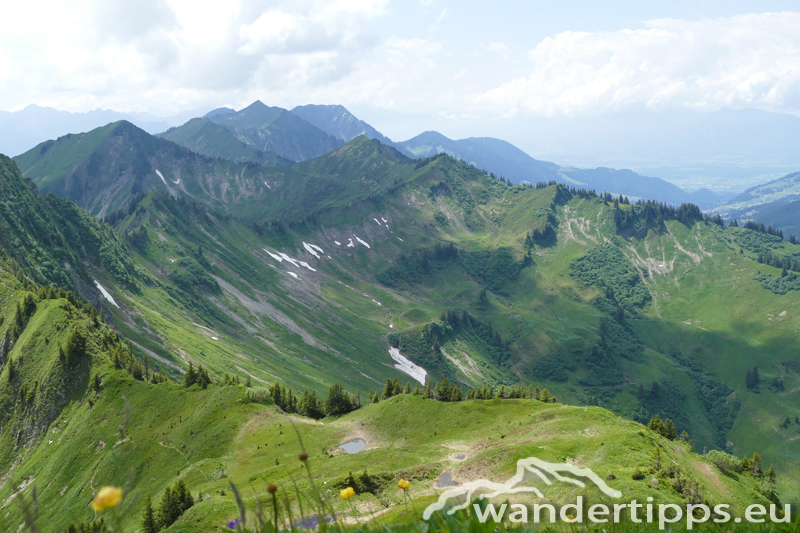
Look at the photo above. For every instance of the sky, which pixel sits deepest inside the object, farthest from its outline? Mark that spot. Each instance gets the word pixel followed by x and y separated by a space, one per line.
pixel 404 66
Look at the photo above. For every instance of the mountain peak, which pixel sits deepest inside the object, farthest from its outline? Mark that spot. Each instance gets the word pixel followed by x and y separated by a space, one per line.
pixel 258 104
pixel 337 121
pixel 363 148
pixel 219 112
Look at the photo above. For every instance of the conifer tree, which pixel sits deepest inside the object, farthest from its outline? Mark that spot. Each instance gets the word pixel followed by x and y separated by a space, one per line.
pixel 388 390
pixel 397 387
pixel 544 396
pixel 338 402
pixel 203 379
pixel 168 510
pixel 456 394
pixel 148 524
pixel 190 378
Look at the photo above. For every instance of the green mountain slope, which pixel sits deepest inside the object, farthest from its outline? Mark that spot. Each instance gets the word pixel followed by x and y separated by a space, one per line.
pixel 207 138
pixel 104 169
pixel 54 241
pixel 682 347
pixel 640 309
pixel 73 421
pixel 273 129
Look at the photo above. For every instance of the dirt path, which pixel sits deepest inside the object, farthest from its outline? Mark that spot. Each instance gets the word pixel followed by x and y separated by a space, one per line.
pixel 567 226
pixel 700 246
pixel 711 475
pixel 696 258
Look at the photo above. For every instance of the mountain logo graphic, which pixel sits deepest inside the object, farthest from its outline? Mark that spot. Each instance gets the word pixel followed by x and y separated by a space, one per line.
pixel 530 472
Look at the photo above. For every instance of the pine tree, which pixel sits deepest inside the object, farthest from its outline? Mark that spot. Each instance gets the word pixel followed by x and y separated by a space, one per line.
pixel 168 510
pixel 397 387
pixel 544 396
pixel 148 524
pixel 76 346
pixel 388 389
pixel 770 474
pixel 669 430
pixel 656 424
pixel 182 495
pixel 757 464
pixel 190 378
pixel 752 379
pixel 456 394
pixel 203 379
pixel 338 402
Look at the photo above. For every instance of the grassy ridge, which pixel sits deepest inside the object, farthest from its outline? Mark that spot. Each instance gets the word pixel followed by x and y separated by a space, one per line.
pixel 700 320
pixel 689 334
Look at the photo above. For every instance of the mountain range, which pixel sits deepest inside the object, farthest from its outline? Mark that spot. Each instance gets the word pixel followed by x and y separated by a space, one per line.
pixel 271 136
pixel 361 266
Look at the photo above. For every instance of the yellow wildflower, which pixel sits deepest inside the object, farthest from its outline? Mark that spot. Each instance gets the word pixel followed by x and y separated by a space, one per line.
pixel 346 493
pixel 107 497
pixel 404 484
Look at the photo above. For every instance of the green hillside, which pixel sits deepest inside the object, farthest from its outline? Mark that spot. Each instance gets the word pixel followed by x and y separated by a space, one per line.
pixel 362 266
pixel 203 136
pixel 74 421
pixel 273 129
pixel 681 345
pixel 104 169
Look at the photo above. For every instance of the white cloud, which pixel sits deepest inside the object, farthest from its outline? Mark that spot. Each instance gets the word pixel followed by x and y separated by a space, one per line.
pixel 438 22
pixel 498 48
pixel 163 55
pixel 744 61
pixel 177 54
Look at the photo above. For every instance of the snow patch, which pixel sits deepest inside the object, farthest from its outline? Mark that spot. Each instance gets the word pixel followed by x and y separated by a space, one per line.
pixel 337 243
pixel 267 184
pixel 384 220
pixel 404 365
pixel 378 222
pixel 215 338
pixel 281 257
pixel 295 276
pixel 160 175
pixel 105 294
pixel 362 242
pixel 350 244
pixel 313 249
